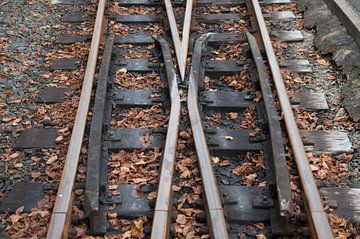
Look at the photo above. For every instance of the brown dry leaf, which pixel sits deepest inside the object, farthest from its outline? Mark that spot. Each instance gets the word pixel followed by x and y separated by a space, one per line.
pixel 139 180
pixel 259 225
pixel 52 159
pixel 175 188
pixel 262 184
pixel 323 62
pixel 113 187
pixel 151 195
pixel 244 168
pixel 225 163
pixel 314 167
pixel 185 135
pixel 215 160
pixel 122 71
pixel 331 76
pixel 250 179
pixel 112 215
pixel 260 236
pixel 181 219
pixel 14 155
pixel 18 165
pixel 344 235
pixel 139 224
pixel 14 218
pixel 233 115
pixel 59 138
pixel 185 174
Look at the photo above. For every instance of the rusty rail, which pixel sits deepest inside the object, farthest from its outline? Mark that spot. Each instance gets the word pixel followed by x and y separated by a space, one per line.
pixel 62 208
pixel 186 34
pixel 181 46
pixel 160 228
pixel 175 36
pixel 215 211
pixel 317 218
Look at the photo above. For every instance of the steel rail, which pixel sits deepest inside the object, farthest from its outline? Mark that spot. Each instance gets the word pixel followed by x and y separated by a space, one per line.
pixel 160 228
pixel 175 36
pixel 282 178
pixel 63 198
pixel 317 217
pixel 186 34
pixel 216 217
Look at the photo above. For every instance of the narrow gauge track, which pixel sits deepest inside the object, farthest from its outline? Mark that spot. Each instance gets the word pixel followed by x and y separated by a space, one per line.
pixel 266 195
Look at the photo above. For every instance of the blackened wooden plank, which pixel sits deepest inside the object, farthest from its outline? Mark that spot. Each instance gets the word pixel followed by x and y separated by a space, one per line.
pixel 36 138
pixel 66 64
pixel 231 141
pixel 52 95
pixel 226 101
pixel 137 65
pixel 23 194
pixel 70 2
pixel 138 138
pixel 139 18
pixel 216 68
pixel 300 66
pixel 71 39
pixel 335 142
pixel 309 101
pixel 133 98
pixel 134 39
pixel 75 17
pixel 344 201
pixel 280 16
pixel 227 3
pixel 288 36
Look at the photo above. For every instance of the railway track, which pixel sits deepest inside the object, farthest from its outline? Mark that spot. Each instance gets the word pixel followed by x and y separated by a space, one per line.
pixel 261 194
pixel 212 95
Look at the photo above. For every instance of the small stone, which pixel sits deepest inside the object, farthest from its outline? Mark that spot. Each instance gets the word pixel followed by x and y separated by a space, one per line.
pixel 251 232
pixel 32 108
pixel 47 122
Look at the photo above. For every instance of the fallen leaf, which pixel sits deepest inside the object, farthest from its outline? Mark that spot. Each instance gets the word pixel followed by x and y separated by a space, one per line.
pixel 225 163
pixel 324 62
pixel 52 159
pixel 260 236
pixel 185 135
pixel 18 165
pixel 14 155
pixel 59 138
pixel 112 215
pixel 113 187
pixel 122 70
pixel 250 179
pixel 233 115
pixel 181 219
pixel 259 225
pixel 14 218
pixel 139 224
pixel 314 167
pixel 215 160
